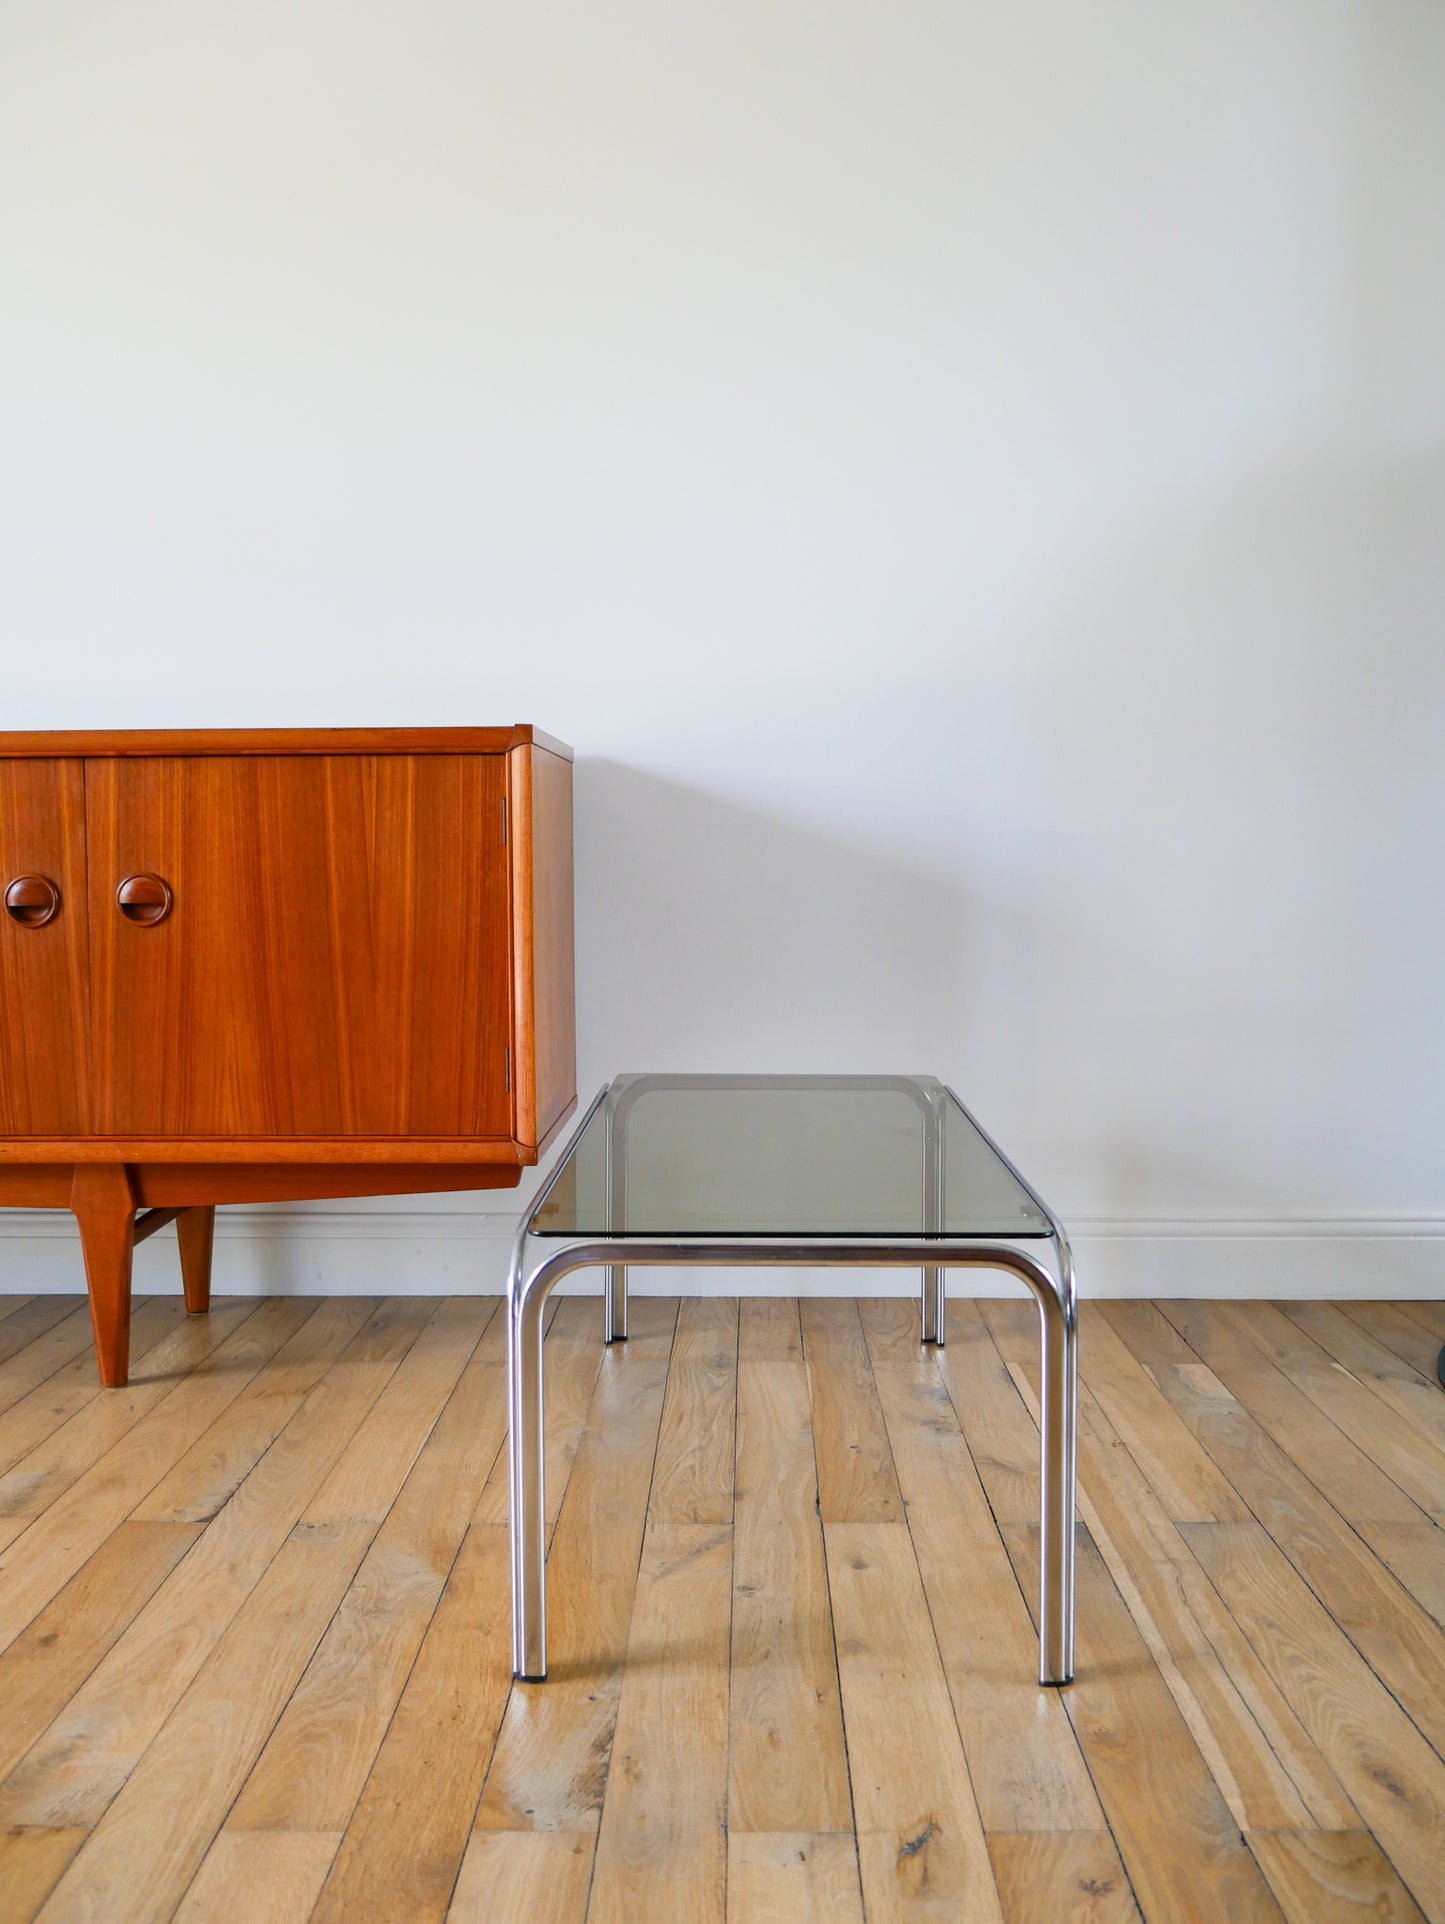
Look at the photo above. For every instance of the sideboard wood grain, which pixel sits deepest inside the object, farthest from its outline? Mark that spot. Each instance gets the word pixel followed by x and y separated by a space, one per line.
pixel 44 968
pixel 285 963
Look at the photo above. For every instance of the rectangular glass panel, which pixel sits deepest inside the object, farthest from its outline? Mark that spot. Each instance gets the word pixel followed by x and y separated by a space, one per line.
pixel 839 1156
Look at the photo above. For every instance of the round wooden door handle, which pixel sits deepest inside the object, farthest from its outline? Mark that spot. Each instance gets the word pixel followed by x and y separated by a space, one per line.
pixel 32 900
pixel 144 898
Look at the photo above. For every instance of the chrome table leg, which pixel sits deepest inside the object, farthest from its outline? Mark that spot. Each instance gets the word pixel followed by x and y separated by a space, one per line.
pixel 526 1301
pixel 614 1305
pixel 1059 1342
pixel 526 1465
pixel 933 1275
pixel 933 1301
pixel 614 1291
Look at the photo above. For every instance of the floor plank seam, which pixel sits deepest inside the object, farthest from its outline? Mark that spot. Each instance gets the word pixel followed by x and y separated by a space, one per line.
pixel 1261 1655
pixel 1273 1363
pixel 632 1603
pixel 828 1592
pixel 63 1361
pixel 510 1691
pixel 326 1626
pixel 1109 1822
pixel 1344 1523
pixel 968 1768
pixel 261 1747
pixel 1353 1311
pixel 1293 1312
pixel 156 1736
pixel 16 1548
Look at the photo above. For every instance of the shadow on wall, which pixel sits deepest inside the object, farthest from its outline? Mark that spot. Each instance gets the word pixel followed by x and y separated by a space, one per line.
pixel 714 938
pixel 711 937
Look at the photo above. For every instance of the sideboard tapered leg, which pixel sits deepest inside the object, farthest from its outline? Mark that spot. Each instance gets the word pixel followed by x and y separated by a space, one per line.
pixel 195 1232
pixel 103 1202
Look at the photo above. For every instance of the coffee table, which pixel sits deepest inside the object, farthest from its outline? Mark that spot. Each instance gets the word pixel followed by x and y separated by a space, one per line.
pixel 787 1171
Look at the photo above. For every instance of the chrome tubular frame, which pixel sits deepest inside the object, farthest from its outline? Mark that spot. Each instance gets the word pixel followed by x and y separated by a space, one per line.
pixel 614 1298
pixel 931 1309
pixel 528 1290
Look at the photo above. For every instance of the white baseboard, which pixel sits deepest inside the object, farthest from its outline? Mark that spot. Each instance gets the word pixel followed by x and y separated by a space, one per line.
pixel 336 1251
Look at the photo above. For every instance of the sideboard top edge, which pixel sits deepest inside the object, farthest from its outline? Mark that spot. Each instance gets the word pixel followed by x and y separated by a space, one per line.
pixel 61 742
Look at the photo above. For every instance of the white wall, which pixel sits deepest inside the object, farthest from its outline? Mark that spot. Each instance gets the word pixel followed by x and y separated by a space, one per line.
pixel 968 478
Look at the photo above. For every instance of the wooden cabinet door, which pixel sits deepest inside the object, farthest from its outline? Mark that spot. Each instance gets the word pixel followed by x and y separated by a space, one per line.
pixel 334 959
pixel 43 968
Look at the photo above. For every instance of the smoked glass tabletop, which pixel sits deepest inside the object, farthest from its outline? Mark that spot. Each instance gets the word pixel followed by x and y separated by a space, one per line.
pixel 785 1156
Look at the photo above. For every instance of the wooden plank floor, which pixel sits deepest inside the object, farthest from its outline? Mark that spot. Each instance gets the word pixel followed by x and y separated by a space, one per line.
pixel 254 1646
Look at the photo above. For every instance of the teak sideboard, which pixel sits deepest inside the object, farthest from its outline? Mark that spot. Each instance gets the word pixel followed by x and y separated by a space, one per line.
pixel 263 966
